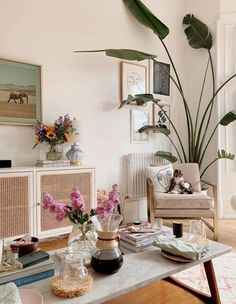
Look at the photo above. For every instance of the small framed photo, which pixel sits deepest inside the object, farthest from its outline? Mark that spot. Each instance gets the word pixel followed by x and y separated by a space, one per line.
pixel 160 82
pixel 159 115
pixel 20 93
pixel 133 79
pixel 139 118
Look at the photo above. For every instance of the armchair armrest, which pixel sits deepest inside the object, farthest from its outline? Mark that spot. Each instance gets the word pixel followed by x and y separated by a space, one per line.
pixel 150 200
pixel 212 186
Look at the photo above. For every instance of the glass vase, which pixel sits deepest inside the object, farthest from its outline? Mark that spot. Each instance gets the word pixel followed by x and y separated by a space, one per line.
pixel 82 240
pixel 53 153
pixel 107 257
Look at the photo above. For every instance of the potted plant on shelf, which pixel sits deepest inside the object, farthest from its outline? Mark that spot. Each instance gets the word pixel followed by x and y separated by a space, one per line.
pixel 199 134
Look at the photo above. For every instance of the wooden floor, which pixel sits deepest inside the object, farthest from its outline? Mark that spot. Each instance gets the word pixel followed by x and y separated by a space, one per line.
pixel 161 292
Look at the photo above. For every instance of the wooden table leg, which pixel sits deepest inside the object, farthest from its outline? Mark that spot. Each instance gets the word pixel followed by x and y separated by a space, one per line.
pixel 211 279
pixel 214 297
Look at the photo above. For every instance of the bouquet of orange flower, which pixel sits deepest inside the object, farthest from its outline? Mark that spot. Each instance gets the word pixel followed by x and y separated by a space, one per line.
pixel 53 135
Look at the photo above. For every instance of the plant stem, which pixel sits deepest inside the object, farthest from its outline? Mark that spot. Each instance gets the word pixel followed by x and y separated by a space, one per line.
pixel 209 166
pixel 176 132
pixel 211 109
pixel 180 158
pixel 187 112
pixel 208 106
pixel 200 99
pixel 209 140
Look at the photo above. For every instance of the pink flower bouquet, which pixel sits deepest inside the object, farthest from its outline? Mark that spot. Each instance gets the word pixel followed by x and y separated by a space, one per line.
pixel 76 212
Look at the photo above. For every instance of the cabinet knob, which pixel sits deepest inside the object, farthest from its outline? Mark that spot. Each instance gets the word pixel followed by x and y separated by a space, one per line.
pixel 38 204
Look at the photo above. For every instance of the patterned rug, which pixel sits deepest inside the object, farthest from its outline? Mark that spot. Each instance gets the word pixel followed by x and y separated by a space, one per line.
pixel 225 270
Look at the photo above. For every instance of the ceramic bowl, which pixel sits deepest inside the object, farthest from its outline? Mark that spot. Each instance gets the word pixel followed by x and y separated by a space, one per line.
pixel 30 296
pixel 25 247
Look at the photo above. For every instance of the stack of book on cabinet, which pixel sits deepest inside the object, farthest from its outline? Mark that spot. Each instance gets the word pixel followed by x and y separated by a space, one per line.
pixel 53 163
pixel 36 266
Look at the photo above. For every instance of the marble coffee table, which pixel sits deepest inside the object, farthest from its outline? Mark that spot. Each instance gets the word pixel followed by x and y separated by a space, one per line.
pixel 138 270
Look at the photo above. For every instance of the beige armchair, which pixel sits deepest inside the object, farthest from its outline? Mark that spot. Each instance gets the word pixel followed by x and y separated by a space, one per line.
pixel 199 205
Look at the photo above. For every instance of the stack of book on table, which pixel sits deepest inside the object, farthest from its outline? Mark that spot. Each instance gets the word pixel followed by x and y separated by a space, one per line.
pixel 53 163
pixel 36 266
pixel 137 240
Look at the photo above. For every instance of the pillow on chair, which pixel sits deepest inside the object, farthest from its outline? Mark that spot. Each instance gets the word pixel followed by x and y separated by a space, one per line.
pixel 161 176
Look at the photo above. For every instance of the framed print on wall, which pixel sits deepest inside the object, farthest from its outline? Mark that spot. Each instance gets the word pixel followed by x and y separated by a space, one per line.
pixel 20 93
pixel 159 117
pixel 133 79
pixel 139 118
pixel 160 82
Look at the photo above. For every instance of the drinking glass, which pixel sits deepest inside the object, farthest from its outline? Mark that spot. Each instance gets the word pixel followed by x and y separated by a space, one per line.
pixel 74 273
pixel 158 224
pixel 197 231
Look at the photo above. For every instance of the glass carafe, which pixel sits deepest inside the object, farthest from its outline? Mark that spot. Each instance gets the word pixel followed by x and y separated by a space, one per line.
pixel 107 257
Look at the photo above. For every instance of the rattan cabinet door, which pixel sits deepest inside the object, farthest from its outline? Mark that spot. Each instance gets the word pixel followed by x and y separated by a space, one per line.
pixel 59 183
pixel 16 201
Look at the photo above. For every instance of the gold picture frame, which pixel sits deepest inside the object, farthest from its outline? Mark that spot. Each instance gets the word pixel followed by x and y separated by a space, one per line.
pixel 20 93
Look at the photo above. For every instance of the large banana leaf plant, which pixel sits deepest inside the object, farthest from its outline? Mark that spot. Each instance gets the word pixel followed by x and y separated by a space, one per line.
pixel 198 126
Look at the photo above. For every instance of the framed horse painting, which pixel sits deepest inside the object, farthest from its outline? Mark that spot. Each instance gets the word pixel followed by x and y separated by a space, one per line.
pixel 20 93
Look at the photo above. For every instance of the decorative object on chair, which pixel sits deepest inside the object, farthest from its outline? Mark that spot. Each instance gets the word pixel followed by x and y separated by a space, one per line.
pixel 20 93
pixel 82 238
pixel 161 176
pixel 75 155
pixel 178 185
pixel 54 135
pixel 199 133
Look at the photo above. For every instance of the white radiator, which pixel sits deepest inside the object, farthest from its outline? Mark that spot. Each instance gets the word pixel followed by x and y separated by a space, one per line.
pixel 136 173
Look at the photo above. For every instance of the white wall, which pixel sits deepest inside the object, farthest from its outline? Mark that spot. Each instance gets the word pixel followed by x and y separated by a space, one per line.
pixel 227 135
pixel 227 6
pixel 84 85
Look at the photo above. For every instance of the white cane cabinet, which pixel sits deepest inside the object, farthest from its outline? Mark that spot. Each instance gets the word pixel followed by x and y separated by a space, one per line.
pixel 21 192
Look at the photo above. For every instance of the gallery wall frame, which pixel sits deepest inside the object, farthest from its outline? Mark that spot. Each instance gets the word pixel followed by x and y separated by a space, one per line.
pixel 133 79
pixel 20 93
pixel 139 118
pixel 160 82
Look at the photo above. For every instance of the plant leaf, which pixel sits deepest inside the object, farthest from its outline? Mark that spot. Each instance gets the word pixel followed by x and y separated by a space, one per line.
pixel 224 154
pixel 197 33
pixel 154 129
pixel 126 54
pixel 139 99
pixel 146 17
pixel 166 155
pixel 228 118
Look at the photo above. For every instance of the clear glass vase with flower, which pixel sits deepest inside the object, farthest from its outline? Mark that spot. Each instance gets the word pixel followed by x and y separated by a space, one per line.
pixel 83 236
pixel 54 135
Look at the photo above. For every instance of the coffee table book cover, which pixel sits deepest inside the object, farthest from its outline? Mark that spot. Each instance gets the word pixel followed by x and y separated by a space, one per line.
pixel 30 274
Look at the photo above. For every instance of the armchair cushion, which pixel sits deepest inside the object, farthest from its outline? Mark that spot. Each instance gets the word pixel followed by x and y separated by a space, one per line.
pixel 191 174
pixel 197 200
pixel 161 176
